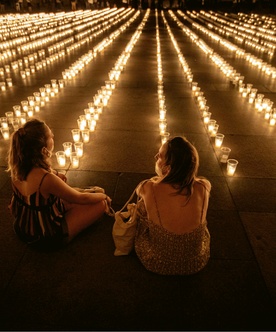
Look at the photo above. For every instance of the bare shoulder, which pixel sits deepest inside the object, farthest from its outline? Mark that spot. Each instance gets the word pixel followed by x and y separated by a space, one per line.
pixel 204 182
pixel 144 186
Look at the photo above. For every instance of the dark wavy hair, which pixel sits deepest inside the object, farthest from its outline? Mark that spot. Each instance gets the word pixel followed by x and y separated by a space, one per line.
pixel 182 158
pixel 25 150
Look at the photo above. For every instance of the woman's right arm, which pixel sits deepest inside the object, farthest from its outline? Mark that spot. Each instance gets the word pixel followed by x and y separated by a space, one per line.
pixel 52 184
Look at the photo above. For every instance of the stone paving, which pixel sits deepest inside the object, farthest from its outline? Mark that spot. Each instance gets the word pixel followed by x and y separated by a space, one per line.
pixel 84 286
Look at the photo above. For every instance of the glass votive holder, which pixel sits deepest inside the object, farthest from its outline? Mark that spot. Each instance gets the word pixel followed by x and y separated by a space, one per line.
pixel 224 154
pixel 4 122
pixel 2 86
pixel 91 124
pixel 23 73
pixel 23 118
pixel 31 100
pixel 87 113
pixel 16 123
pixel 162 126
pixel 91 107
pixel 76 135
pixel 30 111
pixel 42 92
pixel 215 130
pixel 54 83
pixel 36 106
pixel 61 84
pixel 9 82
pixel 194 86
pixel 231 166
pixel 211 125
pixel 79 148
pixel 162 114
pixel 74 158
pixel 164 137
pixel 5 133
pixel 17 110
pixel 61 158
pixel 218 140
pixel 85 135
pixel 24 104
pixel 206 117
pixel 9 116
pixel 67 146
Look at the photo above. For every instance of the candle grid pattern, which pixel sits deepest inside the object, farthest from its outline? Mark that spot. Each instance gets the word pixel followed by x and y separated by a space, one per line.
pixel 29 107
pixel 100 100
pixel 247 91
pixel 87 121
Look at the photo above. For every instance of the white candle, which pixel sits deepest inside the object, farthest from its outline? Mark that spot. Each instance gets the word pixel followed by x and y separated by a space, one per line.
pixel 76 135
pixel 231 166
pixel 85 135
pixel 67 146
pixel 6 133
pixel 79 148
pixel 61 158
pixel 74 160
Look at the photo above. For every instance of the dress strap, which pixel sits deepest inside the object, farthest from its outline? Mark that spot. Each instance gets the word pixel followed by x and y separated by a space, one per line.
pixel 42 181
pixel 203 205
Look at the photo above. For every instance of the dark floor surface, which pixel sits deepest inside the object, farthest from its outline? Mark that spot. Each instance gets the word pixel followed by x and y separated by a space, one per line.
pixel 84 286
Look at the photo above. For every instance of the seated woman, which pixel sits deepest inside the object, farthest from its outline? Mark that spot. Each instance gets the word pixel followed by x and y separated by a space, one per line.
pixel 46 210
pixel 172 236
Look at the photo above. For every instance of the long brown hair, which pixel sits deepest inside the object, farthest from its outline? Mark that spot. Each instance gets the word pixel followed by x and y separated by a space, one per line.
pixel 25 150
pixel 182 158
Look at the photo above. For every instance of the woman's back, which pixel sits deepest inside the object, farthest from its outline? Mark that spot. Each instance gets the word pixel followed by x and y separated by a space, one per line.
pixel 177 213
pixel 172 235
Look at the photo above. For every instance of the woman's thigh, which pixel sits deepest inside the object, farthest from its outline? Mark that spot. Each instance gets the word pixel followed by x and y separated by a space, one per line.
pixel 79 217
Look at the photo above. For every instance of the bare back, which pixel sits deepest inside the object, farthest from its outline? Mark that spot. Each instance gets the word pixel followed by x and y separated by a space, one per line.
pixel 176 213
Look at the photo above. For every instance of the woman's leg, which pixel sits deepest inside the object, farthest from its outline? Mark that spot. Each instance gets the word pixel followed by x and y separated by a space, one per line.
pixel 79 217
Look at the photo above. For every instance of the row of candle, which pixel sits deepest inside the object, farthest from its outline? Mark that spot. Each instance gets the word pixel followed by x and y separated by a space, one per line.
pixel 49 28
pixel 247 35
pixel 211 125
pixel 259 26
pixel 237 79
pixel 258 63
pixel 164 134
pixel 38 100
pixel 36 61
pixel 87 121
pixel 265 67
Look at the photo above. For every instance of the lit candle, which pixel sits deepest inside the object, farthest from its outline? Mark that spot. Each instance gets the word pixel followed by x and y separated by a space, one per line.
pixel 162 126
pixel 211 126
pixel 9 82
pixel 231 166
pixel 67 146
pixel 6 133
pixel 61 158
pixel 3 86
pixel 164 137
pixel 79 148
pixel 4 122
pixel 15 123
pixel 74 160
pixel 206 117
pixel 224 154
pixel 85 135
pixel 17 110
pixel 218 140
pixel 76 135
